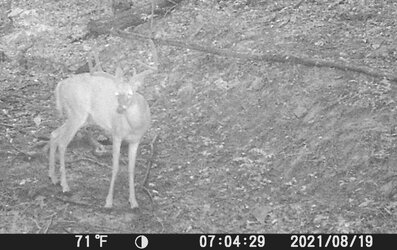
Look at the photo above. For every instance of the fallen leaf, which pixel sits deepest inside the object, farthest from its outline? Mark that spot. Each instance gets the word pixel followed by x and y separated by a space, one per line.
pixel 37 120
pixel 261 212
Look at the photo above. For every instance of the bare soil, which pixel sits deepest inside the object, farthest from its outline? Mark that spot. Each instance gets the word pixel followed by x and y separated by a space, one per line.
pixel 243 147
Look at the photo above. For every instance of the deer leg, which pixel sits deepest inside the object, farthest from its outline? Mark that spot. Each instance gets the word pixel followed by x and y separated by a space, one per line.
pixel 115 170
pixel 66 134
pixel 132 150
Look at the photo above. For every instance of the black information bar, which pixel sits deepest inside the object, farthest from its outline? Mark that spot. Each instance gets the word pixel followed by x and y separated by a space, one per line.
pixel 199 241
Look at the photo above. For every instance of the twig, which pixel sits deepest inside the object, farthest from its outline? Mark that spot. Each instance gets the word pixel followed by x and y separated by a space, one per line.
pixel 145 65
pixel 89 160
pixel 49 223
pixel 13 127
pixel 150 196
pixel 40 144
pixel 150 163
pixel 146 179
pixel 298 4
pixel 17 149
pixel 6 125
pixel 67 231
pixel 152 149
pixel 161 223
pixel 37 224
pixel 29 155
pixel 73 202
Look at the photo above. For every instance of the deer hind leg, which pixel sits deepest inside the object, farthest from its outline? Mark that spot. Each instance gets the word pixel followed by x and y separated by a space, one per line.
pixel 115 170
pixel 60 139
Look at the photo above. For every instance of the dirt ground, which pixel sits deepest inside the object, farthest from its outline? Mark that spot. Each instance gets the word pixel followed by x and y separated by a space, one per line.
pixel 243 147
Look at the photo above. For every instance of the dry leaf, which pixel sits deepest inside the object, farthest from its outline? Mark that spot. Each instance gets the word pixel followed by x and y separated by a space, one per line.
pixel 37 120
pixel 261 212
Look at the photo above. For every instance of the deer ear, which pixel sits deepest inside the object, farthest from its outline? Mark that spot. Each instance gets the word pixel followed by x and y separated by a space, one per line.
pixel 138 79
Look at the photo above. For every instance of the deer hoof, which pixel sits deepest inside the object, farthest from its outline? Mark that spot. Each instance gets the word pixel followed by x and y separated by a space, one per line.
pixel 134 204
pixel 65 189
pixel 54 180
pixel 108 206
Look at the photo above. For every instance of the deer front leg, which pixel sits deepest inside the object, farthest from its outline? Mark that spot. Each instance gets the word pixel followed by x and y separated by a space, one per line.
pixel 64 183
pixel 132 150
pixel 115 170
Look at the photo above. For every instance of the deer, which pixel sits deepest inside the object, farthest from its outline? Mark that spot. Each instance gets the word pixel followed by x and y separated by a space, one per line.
pixel 111 103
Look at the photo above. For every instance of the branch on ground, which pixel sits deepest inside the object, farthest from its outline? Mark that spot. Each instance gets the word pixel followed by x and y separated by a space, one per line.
pixel 269 57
